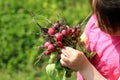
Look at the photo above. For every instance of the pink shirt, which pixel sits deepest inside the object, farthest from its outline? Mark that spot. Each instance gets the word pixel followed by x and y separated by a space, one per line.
pixel 107 60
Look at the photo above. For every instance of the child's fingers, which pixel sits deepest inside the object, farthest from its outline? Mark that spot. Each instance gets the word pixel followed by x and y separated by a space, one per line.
pixel 64 60
pixel 63 63
pixel 65 52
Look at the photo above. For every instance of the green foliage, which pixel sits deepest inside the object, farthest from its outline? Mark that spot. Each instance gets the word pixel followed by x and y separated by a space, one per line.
pixel 17 33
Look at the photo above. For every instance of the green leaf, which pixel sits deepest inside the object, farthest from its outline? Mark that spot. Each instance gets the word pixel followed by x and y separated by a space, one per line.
pixel 51 70
pixel 61 74
pixel 52 58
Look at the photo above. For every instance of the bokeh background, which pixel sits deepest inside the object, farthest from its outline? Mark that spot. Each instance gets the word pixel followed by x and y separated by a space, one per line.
pixel 18 39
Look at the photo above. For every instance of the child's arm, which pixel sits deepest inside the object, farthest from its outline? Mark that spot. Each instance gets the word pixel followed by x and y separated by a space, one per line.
pixel 90 73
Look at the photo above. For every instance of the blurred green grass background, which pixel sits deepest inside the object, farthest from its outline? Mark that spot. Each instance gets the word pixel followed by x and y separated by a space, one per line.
pixel 17 34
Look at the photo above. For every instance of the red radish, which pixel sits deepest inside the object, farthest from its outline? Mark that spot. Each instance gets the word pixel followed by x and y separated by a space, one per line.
pixel 51 47
pixel 47 52
pixel 73 30
pixel 58 36
pixel 68 31
pixel 78 33
pixel 64 32
pixel 51 31
pixel 59 44
pixel 47 44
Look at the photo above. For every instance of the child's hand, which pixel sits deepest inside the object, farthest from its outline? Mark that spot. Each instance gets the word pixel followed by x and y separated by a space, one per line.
pixel 77 61
pixel 73 59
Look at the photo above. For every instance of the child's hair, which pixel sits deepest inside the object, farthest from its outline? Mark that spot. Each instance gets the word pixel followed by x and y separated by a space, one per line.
pixel 108 14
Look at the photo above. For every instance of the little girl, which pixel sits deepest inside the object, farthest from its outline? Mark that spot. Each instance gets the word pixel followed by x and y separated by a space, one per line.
pixel 101 35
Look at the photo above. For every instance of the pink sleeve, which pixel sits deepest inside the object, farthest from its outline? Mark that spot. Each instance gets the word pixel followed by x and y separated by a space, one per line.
pixel 89 25
pixel 90 31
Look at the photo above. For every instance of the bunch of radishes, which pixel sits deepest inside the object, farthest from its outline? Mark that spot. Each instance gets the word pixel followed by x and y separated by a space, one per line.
pixel 60 35
pixel 57 36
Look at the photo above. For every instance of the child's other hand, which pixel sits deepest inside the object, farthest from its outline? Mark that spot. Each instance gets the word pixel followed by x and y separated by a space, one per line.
pixel 73 59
